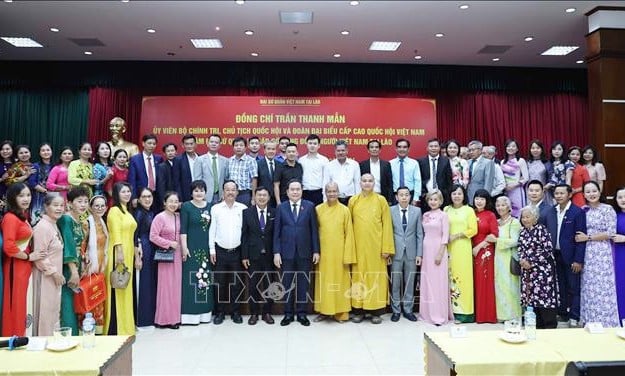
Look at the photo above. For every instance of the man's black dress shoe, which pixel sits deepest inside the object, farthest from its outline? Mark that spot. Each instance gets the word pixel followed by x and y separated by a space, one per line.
pixel 286 320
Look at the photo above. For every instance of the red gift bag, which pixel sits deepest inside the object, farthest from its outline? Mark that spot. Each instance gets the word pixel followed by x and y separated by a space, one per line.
pixel 91 293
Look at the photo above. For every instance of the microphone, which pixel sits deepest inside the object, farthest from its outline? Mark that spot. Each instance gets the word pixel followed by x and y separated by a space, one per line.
pixel 14 342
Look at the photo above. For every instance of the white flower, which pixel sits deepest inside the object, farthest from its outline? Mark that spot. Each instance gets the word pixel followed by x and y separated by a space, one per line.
pixel 198 275
pixel 203 264
pixel 205 275
pixel 201 270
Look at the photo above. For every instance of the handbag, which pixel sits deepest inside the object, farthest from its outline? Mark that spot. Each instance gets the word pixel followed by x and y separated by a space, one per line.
pixel 166 255
pixel 91 293
pixel 120 276
pixel 515 267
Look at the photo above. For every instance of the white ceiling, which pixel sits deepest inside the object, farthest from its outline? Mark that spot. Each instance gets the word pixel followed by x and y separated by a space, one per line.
pixel 122 28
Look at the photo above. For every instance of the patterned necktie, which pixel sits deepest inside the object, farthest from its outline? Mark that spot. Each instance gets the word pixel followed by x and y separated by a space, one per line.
pixel 215 177
pixel 262 220
pixel 433 177
pixel 401 172
pixel 151 182
pixel 404 221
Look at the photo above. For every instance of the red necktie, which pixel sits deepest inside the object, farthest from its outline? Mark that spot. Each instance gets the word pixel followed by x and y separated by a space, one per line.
pixel 151 183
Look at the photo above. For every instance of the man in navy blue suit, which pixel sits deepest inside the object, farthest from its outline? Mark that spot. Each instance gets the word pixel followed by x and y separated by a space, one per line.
pixel 142 169
pixel 183 168
pixel 565 220
pixel 267 165
pixel 295 249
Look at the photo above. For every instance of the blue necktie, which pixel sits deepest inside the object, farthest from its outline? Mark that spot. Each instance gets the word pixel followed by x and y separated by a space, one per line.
pixel 401 172
pixel 262 220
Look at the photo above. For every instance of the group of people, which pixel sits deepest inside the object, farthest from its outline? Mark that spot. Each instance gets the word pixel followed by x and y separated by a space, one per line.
pixel 489 238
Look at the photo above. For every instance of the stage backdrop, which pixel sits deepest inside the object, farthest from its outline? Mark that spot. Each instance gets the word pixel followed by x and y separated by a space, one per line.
pixel 354 119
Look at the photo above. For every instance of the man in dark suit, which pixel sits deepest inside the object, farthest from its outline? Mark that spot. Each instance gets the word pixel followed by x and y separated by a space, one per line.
pixel 164 174
pixel 257 254
pixel 435 173
pixel 536 197
pixel 564 221
pixel 142 167
pixel 183 168
pixel 295 249
pixel 381 170
pixel 267 168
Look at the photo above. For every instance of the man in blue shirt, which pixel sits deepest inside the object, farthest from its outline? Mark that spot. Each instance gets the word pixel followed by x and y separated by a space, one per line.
pixel 405 171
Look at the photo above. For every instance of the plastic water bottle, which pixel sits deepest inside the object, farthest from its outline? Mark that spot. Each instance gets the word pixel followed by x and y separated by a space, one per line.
pixel 530 323
pixel 88 331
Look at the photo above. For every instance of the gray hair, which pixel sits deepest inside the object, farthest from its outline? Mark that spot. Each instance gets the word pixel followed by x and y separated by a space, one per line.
pixel 532 210
pixel 476 143
pixel 505 200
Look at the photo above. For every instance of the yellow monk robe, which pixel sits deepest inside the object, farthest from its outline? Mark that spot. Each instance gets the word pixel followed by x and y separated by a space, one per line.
pixel 332 282
pixel 373 231
pixel 461 220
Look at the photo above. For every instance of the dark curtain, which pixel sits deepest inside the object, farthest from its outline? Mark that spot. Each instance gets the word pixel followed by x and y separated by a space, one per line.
pixel 35 116
pixel 491 117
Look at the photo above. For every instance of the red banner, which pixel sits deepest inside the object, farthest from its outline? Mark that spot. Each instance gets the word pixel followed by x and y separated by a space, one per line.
pixel 354 119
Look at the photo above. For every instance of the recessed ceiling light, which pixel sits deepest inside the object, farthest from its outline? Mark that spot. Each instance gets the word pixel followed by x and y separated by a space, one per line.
pixel 239 2
pixel 206 43
pixel 125 1
pixel 559 50
pixel 384 46
pixel 249 32
pixel 151 31
pixel 345 32
pixel 570 10
pixel 495 59
pixel 22 42
pixel 528 39
pixel 54 30
pixel 88 53
pixel 8 1
pixel 418 57
pixel 337 55
pixel 354 3
pixel 296 17
pixel 439 35
pixel 217 28
pixel 579 62
pixel 464 6
pixel 254 54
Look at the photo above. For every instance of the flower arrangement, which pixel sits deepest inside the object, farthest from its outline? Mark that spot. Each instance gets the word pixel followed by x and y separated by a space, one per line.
pixel 205 220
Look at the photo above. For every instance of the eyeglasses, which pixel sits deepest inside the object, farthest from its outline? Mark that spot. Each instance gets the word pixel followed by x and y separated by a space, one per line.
pixel 99 207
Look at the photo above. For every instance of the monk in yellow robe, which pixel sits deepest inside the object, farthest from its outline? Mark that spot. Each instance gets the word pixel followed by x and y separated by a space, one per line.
pixel 332 280
pixel 373 231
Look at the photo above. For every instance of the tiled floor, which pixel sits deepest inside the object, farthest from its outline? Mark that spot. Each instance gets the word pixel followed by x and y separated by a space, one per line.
pixel 323 348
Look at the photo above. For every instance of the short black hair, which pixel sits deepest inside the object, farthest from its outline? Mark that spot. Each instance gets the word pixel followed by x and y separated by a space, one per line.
pixel 402 140
pixel 198 184
pixel 168 145
pixel 261 188
pixel 374 142
pixel 535 181
pixel 149 136
pixel 239 139
pixel 284 138
pixel 188 136
pixel 230 181
pixel 568 187
pixel 312 137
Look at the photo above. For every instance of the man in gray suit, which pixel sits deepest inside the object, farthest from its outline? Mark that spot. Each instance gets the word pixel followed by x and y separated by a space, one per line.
pixel 213 169
pixel 481 171
pixel 408 236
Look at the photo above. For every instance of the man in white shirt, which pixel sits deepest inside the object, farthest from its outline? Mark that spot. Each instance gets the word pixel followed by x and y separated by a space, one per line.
pixel 313 164
pixel 224 243
pixel 343 171
pixel 380 169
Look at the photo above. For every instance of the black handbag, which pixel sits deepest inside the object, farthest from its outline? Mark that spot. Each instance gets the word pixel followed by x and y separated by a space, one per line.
pixel 515 267
pixel 166 255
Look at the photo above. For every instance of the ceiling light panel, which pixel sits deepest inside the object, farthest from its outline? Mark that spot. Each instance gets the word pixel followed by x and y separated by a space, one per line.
pixel 384 46
pixel 296 17
pixel 22 42
pixel 207 43
pixel 559 50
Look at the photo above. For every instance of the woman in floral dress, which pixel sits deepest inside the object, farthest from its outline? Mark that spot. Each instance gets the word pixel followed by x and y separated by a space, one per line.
pixel 515 172
pixel 459 166
pixel 102 166
pixel 598 289
pixel 539 286
pixel 555 166
pixel 538 167
pixel 484 258
pixel 37 182
pixel 197 293
pixel 80 171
